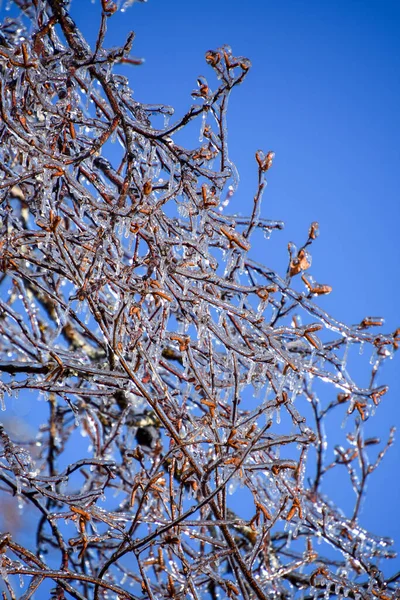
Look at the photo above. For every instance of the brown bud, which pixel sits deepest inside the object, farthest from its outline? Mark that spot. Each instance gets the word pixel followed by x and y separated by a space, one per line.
pixel 147 188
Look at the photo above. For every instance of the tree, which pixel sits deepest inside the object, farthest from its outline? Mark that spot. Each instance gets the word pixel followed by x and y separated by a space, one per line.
pixel 131 304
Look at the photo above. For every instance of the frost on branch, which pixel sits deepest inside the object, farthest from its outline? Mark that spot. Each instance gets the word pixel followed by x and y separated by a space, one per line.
pixel 182 388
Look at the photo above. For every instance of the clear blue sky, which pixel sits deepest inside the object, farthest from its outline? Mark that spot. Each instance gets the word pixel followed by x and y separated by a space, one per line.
pixel 324 94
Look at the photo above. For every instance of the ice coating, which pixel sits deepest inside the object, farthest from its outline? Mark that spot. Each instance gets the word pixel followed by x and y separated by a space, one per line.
pixel 132 303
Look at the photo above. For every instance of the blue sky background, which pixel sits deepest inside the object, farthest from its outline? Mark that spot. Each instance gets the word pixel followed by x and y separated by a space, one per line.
pixel 324 94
